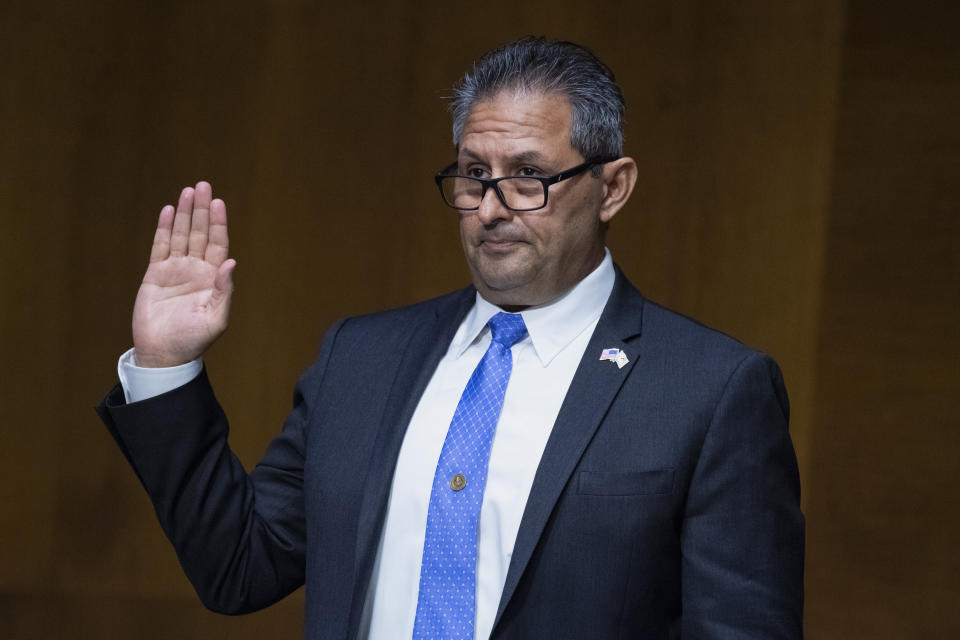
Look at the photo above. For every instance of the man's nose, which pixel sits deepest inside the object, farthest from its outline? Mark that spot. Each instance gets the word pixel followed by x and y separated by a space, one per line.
pixel 491 208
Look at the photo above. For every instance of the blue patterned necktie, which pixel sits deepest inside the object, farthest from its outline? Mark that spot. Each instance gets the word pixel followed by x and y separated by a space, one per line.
pixel 446 604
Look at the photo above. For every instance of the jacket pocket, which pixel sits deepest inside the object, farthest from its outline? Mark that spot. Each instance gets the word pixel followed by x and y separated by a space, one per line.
pixel 629 483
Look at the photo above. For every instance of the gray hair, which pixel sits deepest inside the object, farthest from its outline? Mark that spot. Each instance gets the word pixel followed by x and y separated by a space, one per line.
pixel 538 65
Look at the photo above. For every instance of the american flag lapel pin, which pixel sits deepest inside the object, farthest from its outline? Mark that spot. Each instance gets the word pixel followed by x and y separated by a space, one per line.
pixel 609 354
pixel 615 355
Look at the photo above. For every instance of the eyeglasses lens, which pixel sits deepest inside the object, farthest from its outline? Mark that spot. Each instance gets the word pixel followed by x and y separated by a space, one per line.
pixel 518 193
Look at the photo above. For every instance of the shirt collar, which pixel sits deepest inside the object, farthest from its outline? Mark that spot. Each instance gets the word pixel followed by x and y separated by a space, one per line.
pixel 552 326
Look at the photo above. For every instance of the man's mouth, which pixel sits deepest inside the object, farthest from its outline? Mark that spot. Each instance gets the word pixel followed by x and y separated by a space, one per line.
pixel 499 244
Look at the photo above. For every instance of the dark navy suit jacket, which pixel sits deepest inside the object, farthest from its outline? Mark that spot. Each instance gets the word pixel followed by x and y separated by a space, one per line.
pixel 666 503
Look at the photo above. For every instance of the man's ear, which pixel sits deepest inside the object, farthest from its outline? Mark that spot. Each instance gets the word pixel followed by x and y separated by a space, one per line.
pixel 619 177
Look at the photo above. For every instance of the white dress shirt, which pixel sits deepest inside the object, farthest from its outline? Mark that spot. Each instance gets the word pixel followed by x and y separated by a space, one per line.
pixel 544 363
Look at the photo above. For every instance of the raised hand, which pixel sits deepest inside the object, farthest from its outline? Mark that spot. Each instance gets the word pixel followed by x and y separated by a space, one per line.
pixel 184 300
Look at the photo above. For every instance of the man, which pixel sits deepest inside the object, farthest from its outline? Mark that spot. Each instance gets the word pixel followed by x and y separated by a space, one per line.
pixel 542 455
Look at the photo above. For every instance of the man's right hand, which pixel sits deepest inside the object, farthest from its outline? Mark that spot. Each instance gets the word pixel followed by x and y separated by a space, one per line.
pixel 184 301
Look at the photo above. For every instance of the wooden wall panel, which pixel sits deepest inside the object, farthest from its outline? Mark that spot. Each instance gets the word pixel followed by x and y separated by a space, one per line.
pixel 882 506
pixel 321 125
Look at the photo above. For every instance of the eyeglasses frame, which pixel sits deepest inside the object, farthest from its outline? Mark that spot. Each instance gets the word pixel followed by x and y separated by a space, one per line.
pixel 486 183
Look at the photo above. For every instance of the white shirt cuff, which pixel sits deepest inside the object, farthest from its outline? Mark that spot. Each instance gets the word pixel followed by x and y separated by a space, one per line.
pixel 143 383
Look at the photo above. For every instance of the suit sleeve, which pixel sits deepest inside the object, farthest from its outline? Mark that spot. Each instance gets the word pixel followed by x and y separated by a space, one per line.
pixel 742 539
pixel 240 538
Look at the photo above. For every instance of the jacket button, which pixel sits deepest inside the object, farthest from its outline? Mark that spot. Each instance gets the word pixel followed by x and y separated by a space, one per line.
pixel 458 482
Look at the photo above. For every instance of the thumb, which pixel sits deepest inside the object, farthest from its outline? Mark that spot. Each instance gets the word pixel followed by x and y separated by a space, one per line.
pixel 223 283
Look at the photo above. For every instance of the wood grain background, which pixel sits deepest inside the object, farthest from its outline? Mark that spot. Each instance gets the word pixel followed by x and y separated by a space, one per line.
pixel 799 170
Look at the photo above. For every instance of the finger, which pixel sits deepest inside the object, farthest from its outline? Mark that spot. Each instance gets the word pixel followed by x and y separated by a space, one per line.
pixel 181 223
pixel 217 241
pixel 200 221
pixel 161 239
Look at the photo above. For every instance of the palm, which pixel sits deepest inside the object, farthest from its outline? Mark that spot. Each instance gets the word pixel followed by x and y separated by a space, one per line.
pixel 184 301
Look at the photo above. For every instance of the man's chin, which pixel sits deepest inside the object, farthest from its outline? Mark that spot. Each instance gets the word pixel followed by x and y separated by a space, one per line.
pixel 504 287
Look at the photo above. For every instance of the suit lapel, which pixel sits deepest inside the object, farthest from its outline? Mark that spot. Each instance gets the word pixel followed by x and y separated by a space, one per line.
pixel 425 345
pixel 594 387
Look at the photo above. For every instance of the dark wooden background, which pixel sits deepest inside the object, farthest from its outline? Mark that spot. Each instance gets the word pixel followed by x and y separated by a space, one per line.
pixel 798 189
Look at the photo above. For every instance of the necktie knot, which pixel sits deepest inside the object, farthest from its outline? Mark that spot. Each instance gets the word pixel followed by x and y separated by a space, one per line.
pixel 507 328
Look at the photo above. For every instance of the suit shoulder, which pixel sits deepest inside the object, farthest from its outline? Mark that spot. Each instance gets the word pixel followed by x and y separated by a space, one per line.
pixel 373 336
pixel 399 320
pixel 690 355
pixel 688 338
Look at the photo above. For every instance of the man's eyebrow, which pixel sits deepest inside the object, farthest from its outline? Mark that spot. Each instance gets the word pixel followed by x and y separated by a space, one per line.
pixel 528 156
pixel 470 154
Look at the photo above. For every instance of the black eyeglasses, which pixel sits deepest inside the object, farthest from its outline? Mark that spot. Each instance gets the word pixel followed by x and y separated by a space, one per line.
pixel 516 193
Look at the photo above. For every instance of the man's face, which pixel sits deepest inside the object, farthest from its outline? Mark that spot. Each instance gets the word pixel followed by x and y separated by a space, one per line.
pixel 528 258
